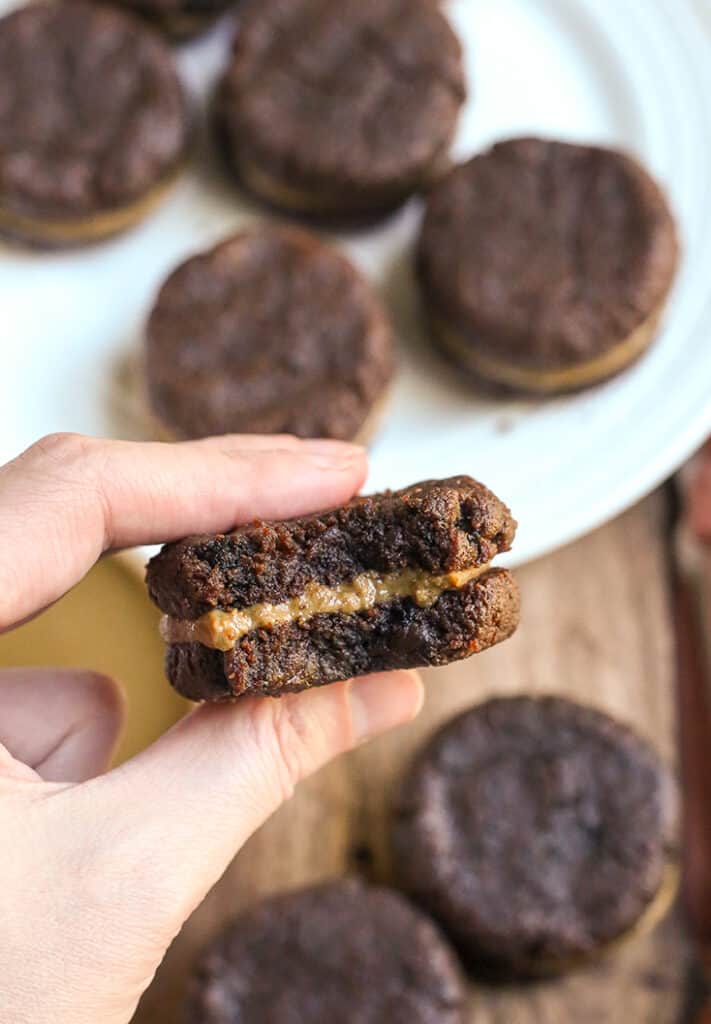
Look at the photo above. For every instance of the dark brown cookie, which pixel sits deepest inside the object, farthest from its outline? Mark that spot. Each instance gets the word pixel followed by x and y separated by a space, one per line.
pixel 340 109
pixel 342 951
pixel 391 580
pixel 545 266
pixel 93 122
pixel 536 831
pixel 272 331
pixel 178 19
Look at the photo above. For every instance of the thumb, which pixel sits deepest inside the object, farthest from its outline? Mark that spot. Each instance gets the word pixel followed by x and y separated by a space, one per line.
pixel 195 796
pixel 57 724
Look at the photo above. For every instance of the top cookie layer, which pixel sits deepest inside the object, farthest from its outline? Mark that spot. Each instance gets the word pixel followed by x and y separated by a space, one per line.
pixel 353 100
pixel 439 526
pixel 92 113
pixel 547 254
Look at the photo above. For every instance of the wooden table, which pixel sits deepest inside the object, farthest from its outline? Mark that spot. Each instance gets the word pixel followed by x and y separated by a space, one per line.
pixel 596 626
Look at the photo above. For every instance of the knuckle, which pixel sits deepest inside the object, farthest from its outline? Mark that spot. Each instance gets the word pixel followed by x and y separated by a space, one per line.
pixel 64 447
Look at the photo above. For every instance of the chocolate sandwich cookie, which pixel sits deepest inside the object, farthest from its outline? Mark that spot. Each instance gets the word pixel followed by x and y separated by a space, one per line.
pixel 272 331
pixel 342 951
pixel 179 19
pixel 537 832
pixel 545 266
pixel 93 122
pixel 391 580
pixel 340 110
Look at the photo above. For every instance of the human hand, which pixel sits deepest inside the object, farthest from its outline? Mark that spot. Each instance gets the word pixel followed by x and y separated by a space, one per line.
pixel 99 872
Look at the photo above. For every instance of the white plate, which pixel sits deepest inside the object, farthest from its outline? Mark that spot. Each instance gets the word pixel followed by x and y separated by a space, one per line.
pixel 627 72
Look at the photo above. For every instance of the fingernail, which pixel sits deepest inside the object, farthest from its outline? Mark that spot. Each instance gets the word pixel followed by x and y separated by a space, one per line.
pixel 325 446
pixel 381 702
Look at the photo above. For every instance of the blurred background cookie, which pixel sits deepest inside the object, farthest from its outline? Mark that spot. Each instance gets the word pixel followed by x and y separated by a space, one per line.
pixel 341 951
pixel 272 331
pixel 537 831
pixel 93 122
pixel 340 110
pixel 545 266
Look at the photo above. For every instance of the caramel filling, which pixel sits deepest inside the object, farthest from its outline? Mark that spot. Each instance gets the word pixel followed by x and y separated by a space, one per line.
pixel 564 379
pixel 222 630
pixel 314 201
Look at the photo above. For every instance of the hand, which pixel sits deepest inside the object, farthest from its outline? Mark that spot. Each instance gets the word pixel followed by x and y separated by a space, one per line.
pixel 99 872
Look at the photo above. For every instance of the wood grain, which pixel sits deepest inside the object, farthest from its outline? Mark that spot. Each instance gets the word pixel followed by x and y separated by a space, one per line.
pixel 596 626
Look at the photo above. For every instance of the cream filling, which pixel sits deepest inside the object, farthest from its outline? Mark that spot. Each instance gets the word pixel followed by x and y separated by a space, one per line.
pixel 222 630
pixel 544 381
pixel 89 228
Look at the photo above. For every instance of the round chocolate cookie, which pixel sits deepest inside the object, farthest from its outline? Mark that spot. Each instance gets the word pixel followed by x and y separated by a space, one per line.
pixel 340 110
pixel 93 122
pixel 545 266
pixel 179 19
pixel 341 951
pixel 536 831
pixel 272 331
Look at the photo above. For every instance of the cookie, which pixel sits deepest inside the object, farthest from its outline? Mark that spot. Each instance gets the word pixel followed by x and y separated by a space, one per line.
pixel 340 110
pixel 545 266
pixel 270 332
pixel 537 832
pixel 93 122
pixel 341 951
pixel 391 580
pixel 178 19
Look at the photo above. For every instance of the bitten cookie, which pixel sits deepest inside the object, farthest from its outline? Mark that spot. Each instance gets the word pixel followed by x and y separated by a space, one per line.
pixel 392 580
pixel 537 832
pixel 545 266
pixel 93 122
pixel 272 331
pixel 342 951
pixel 340 110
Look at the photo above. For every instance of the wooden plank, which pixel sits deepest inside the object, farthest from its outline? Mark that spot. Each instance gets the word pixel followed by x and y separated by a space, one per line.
pixel 596 626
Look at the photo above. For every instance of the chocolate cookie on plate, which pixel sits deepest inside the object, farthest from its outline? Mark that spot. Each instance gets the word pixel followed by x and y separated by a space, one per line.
pixel 93 122
pixel 341 951
pixel 545 266
pixel 342 109
pixel 391 580
pixel 537 832
pixel 271 331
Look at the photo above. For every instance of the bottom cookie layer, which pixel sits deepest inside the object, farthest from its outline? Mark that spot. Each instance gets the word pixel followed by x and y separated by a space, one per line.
pixel 319 203
pixel 519 378
pixel 93 228
pixel 326 648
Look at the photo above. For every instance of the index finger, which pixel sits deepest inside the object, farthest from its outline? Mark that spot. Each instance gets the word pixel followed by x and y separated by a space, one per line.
pixel 68 498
